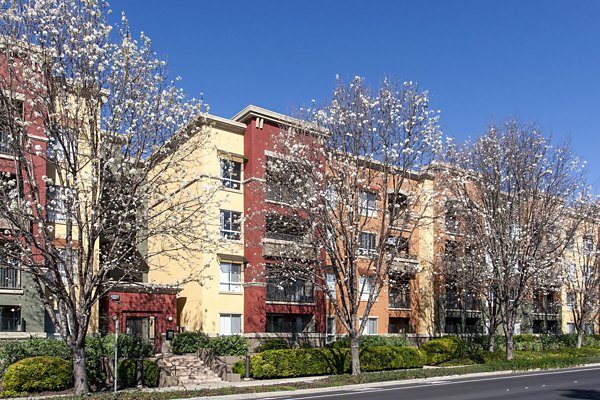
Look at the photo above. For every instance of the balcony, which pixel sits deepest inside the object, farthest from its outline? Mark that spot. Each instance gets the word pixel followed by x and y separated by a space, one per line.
pixel 287 291
pixel 404 263
pixel 275 248
pixel 547 308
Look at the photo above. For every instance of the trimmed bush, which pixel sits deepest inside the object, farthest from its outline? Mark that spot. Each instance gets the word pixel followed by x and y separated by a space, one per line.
pixel 126 371
pixel 443 349
pixel 37 374
pixel 151 373
pixel 273 344
pixel 306 362
pixel 189 342
pixel 12 351
pixel 229 345
pixel 371 341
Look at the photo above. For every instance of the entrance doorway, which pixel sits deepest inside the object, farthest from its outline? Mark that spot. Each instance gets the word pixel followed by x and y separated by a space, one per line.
pixel 143 327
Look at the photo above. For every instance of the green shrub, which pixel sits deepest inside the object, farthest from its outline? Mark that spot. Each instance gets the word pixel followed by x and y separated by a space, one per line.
pixel 371 341
pixel 297 362
pixel 229 345
pixel 135 347
pixel 151 374
pixel 126 373
pixel 11 393
pixel 306 362
pixel 591 340
pixel 36 374
pixel 273 344
pixel 12 351
pixel 443 349
pixel 239 368
pixel 189 342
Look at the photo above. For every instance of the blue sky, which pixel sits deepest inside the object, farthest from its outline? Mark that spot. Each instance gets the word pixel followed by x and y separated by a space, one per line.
pixel 480 60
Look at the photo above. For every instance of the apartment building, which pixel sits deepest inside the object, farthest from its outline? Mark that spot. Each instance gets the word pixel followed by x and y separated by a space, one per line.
pixel 21 310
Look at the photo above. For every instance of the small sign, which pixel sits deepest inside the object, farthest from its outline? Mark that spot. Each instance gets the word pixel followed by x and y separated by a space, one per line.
pixel 170 334
pixel 115 297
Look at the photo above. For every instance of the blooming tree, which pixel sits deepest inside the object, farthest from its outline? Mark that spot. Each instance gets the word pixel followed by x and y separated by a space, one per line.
pixel 347 176
pixel 520 194
pixel 94 158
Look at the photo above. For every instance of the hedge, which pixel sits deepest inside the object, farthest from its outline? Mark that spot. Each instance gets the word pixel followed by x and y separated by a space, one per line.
pixel 37 374
pixel 189 342
pixel 443 349
pixel 371 341
pixel 126 372
pixel 308 362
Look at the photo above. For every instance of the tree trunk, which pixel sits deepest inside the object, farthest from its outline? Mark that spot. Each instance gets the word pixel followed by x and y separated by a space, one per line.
pixel 509 344
pixel 492 341
pixel 79 369
pixel 579 339
pixel 355 354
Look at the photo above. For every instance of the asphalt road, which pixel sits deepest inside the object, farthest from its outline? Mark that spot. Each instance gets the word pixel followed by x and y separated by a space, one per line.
pixel 575 383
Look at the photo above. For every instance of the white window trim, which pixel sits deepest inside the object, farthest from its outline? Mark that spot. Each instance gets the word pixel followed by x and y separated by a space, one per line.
pixel 229 179
pixel 366 330
pixel 229 282
pixel 229 231
pixel 230 316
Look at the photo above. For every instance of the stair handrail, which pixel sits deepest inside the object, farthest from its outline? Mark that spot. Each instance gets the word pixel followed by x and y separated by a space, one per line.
pixel 212 361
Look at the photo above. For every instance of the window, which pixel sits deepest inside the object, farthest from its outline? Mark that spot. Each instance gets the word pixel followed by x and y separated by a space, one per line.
pixel 289 289
pixel 61 144
pixel 399 292
pixel 589 328
pixel 231 277
pixel 368 204
pixel 570 300
pixel 571 328
pixel 398 209
pixel 10 276
pixel 231 225
pixel 10 318
pixel 289 323
pixel 367 287
pixel 371 327
pixel 397 246
pixel 367 244
pixel 330 330
pixel 11 188
pixel 286 182
pixel 56 198
pixel 231 174
pixel 331 195
pixel 10 124
pixel 588 245
pixel 451 216
pixel 331 282
pixel 231 324
pixel 62 254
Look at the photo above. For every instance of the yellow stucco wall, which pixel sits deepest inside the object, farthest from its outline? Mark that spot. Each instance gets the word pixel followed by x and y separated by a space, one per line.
pixel 200 302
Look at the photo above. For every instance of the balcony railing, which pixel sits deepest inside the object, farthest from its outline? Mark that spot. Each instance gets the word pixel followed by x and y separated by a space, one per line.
pixel 290 292
pixel 399 298
pixel 540 307
pixel 10 278
pixel 6 146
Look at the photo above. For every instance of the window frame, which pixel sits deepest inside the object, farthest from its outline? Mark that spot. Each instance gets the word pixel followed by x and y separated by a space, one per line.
pixel 230 234
pixel 372 241
pixel 226 173
pixel 368 206
pixel 366 332
pixel 366 284
pixel 223 317
pixel 227 286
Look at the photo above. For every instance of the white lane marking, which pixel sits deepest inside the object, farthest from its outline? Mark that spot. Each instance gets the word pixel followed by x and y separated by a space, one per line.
pixel 495 378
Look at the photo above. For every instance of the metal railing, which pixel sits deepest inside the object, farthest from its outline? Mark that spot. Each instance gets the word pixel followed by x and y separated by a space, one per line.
pixel 10 278
pixel 290 292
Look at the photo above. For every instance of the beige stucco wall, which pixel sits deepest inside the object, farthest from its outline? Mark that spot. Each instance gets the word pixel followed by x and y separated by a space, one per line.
pixel 200 302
